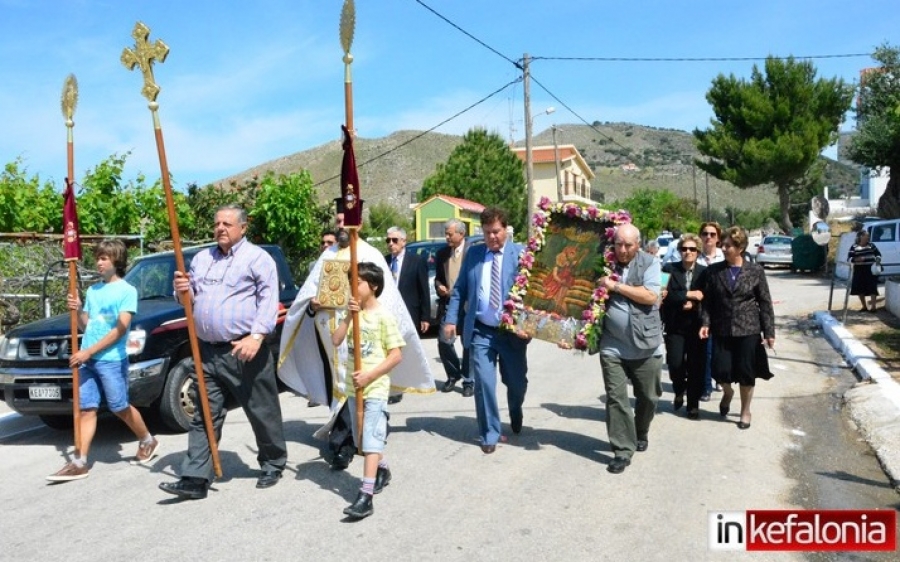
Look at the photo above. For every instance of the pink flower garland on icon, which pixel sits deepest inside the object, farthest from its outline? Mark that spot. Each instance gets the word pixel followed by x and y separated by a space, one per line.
pixel 588 336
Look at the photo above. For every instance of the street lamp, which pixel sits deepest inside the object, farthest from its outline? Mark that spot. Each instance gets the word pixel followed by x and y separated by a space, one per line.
pixel 529 160
pixel 559 187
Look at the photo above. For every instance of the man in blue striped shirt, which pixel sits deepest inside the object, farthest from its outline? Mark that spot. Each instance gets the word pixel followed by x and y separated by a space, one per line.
pixel 234 288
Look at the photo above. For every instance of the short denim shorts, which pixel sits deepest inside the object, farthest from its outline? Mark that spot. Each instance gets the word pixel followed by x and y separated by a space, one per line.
pixel 99 379
pixel 375 424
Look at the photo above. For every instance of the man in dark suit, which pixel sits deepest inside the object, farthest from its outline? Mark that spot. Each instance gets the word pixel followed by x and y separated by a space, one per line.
pixel 486 277
pixel 448 264
pixel 411 275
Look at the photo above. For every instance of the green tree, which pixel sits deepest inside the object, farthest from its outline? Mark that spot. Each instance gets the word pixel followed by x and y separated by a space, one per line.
pixel 106 205
pixel 877 141
pixel 654 211
pixel 285 214
pixel 203 202
pixel 483 169
pixel 772 128
pixel 153 212
pixel 382 216
pixel 27 205
pixel 109 205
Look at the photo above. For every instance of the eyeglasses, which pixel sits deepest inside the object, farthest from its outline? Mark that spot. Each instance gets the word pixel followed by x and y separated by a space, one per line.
pixel 712 233
pixel 390 240
pixel 208 280
pixel 689 249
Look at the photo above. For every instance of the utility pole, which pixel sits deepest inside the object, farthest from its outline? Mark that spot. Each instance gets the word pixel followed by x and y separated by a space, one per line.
pixel 559 187
pixel 707 197
pixel 529 157
pixel 694 176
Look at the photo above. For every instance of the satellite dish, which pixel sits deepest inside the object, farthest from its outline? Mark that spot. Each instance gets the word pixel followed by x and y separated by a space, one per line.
pixel 820 207
pixel 821 233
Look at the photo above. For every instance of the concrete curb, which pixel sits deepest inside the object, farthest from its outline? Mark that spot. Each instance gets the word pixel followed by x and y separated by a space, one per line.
pixel 874 403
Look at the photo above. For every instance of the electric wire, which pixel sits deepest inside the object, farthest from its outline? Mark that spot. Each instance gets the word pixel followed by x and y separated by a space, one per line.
pixel 575 113
pixel 701 59
pixel 466 33
pixel 423 133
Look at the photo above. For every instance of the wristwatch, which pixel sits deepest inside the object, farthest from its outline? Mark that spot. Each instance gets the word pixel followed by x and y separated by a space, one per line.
pixel 257 337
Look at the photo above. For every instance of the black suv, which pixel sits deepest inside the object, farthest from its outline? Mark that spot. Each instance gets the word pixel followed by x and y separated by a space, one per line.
pixel 35 378
pixel 428 250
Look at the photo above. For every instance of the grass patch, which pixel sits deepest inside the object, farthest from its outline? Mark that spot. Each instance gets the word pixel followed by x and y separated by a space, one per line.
pixel 888 342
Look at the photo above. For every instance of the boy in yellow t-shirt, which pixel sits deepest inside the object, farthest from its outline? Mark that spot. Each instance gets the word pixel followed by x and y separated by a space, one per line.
pixel 380 343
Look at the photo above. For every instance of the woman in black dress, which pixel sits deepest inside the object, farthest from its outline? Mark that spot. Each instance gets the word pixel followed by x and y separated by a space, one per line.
pixel 737 312
pixel 685 351
pixel 865 284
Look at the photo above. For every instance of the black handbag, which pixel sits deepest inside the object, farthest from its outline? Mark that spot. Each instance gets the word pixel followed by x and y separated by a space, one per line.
pixel 762 362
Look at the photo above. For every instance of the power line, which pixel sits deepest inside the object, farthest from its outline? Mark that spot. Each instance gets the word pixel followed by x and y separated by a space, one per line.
pixel 580 118
pixel 700 59
pixel 423 133
pixel 466 33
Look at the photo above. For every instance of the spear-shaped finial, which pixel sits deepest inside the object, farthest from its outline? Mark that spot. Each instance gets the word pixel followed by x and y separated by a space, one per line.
pixel 348 23
pixel 69 99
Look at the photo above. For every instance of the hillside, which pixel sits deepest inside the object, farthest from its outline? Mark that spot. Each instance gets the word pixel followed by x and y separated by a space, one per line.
pixel 393 176
pixel 392 171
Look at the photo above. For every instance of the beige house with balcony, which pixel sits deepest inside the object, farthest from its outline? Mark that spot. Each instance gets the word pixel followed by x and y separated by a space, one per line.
pixel 575 174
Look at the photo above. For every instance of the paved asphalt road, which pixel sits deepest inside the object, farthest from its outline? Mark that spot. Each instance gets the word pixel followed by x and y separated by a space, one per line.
pixel 545 494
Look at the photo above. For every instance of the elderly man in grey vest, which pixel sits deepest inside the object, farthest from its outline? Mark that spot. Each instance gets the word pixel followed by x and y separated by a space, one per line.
pixel 631 347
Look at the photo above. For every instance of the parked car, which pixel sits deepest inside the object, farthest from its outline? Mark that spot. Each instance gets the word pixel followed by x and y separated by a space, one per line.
pixel 429 249
pixel 752 248
pixel 885 235
pixel 663 241
pixel 775 250
pixel 35 378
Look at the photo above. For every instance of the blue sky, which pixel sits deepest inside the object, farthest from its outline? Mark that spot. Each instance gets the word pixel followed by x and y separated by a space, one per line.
pixel 249 82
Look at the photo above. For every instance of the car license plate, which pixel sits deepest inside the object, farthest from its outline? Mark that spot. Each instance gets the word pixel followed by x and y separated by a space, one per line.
pixel 44 393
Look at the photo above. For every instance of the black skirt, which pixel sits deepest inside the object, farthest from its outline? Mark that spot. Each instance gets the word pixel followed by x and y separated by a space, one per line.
pixel 740 359
pixel 864 283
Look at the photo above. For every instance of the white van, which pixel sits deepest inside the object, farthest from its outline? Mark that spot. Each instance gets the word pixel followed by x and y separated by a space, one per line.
pixel 885 235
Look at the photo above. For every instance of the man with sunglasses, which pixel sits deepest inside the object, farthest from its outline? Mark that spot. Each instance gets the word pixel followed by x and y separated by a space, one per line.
pixel 410 273
pixel 710 253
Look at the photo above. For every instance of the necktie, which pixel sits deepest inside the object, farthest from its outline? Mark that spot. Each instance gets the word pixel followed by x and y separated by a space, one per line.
pixel 394 267
pixel 495 282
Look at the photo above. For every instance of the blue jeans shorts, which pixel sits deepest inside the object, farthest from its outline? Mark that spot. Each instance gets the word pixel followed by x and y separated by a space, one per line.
pixel 375 424
pixel 101 379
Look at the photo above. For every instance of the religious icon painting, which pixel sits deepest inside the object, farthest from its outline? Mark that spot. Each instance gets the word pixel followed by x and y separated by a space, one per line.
pixel 334 284
pixel 555 297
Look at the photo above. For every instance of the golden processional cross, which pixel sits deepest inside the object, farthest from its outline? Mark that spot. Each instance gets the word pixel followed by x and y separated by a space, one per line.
pixel 144 55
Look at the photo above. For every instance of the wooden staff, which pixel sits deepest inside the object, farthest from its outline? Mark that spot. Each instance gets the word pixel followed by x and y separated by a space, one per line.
pixel 69 100
pixel 348 22
pixel 143 56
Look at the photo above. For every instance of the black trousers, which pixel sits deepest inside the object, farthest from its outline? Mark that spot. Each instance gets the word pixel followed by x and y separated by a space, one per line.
pixel 686 358
pixel 254 386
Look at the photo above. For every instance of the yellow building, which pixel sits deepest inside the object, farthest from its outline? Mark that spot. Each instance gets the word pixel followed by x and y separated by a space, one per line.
pixel 431 215
pixel 574 174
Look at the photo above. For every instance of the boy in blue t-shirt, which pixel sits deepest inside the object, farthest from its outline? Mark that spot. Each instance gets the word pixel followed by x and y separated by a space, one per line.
pixel 103 359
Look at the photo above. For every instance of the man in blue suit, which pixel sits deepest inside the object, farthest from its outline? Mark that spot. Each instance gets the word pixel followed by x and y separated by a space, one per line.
pixel 486 277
